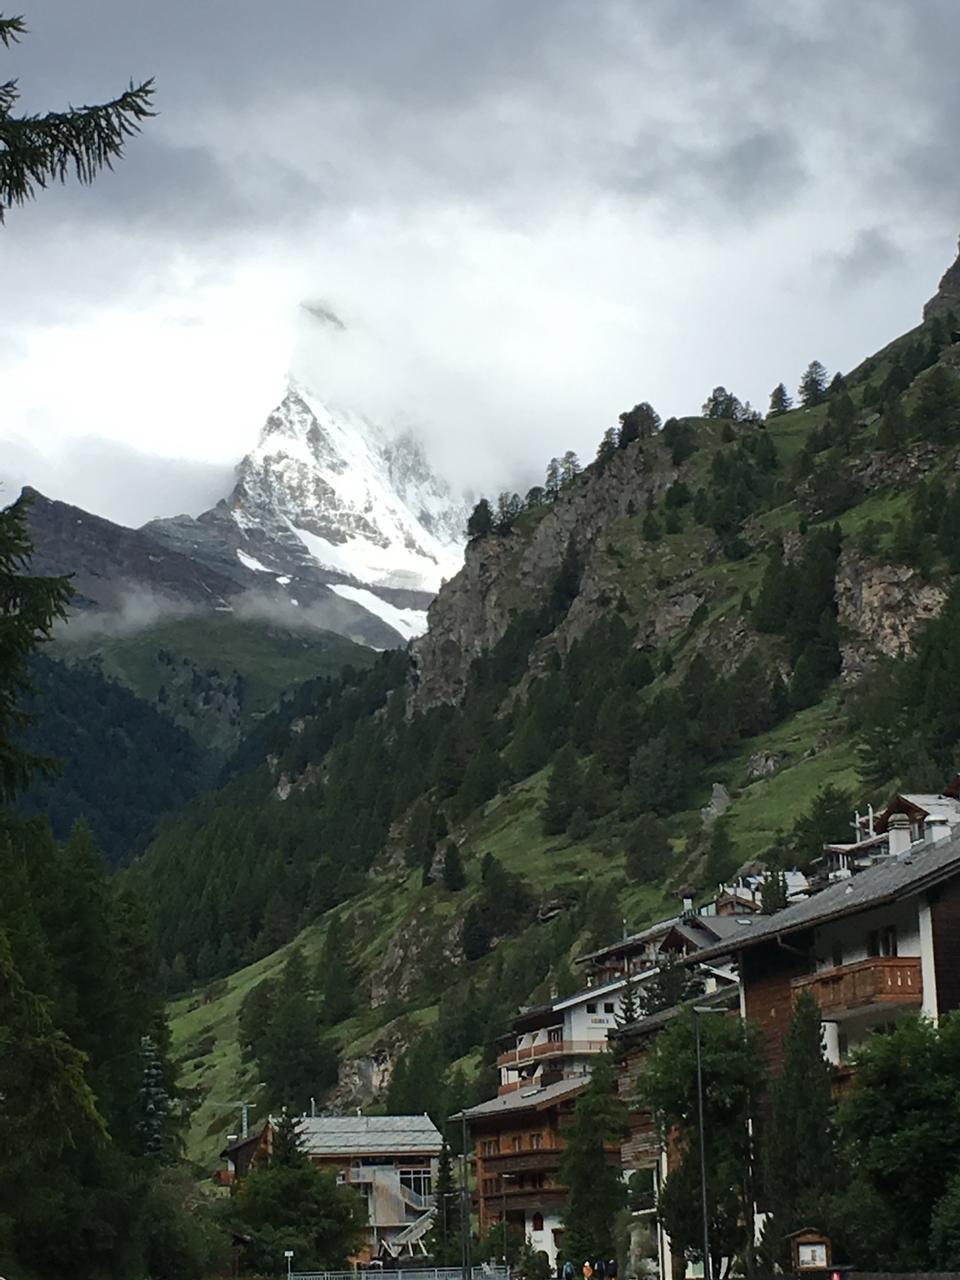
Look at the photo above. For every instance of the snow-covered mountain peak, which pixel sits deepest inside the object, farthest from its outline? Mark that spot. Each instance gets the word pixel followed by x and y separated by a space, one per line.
pixel 364 507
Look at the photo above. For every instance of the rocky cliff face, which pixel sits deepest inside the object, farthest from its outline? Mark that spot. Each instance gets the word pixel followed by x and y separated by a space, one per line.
pixel 947 297
pixel 504 574
pixel 881 608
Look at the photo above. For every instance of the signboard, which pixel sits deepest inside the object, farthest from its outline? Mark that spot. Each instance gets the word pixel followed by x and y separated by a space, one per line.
pixel 812 1257
pixel 811 1251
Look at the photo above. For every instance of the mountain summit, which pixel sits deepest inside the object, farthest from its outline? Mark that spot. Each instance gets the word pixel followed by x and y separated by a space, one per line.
pixel 361 505
pixel 325 503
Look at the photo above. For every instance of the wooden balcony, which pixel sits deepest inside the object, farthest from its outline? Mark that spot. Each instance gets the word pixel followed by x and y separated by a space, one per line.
pixel 542 1161
pixel 888 981
pixel 549 1049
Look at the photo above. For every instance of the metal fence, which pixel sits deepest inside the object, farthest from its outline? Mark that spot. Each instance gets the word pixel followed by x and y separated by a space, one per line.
pixel 408 1273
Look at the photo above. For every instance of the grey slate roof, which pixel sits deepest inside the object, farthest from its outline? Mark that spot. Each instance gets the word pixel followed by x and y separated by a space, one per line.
pixel 901 877
pixel 355 1135
pixel 525 1099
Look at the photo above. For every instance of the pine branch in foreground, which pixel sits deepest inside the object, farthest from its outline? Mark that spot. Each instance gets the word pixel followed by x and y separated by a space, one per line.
pixel 38 149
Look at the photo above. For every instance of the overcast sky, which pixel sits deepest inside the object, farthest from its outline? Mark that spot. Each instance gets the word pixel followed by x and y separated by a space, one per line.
pixel 527 214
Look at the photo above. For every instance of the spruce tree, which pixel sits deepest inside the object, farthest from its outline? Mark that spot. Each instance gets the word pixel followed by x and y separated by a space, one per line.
pixel 773 892
pixel 444 1242
pixel 780 401
pixel 287 1148
pixel 563 792
pixel 801 1148
pixel 454 878
pixel 36 150
pixel 813 384
pixel 29 606
pixel 481 520
pixel 335 981
pixel 595 1190
pixel 629 1011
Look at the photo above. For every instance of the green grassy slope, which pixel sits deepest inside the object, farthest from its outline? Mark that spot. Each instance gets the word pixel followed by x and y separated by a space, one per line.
pixel 269 659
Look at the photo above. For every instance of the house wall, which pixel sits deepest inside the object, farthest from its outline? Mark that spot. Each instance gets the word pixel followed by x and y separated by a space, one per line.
pixel 766 973
pixel 852 933
pixel 580 1024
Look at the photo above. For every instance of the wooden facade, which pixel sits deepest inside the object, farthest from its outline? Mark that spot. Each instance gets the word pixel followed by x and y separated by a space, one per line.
pixel 945 918
pixel 767 973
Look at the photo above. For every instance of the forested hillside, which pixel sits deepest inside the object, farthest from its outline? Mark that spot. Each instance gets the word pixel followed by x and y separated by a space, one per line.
pixel 212 673
pixel 122 764
pixel 647 671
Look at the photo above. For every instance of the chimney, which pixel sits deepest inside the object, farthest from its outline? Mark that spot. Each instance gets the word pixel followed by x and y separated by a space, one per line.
pixel 937 828
pixel 898 833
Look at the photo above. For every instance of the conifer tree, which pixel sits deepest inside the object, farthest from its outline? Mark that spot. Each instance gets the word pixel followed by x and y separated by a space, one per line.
pixel 639 423
pixel 780 401
pixel 481 520
pixel 287 1148
pixel 454 878
pixel 801 1148
pixel 629 1011
pixel 595 1190
pixel 609 443
pixel 893 431
pixel 29 606
pixel 36 150
pixel 335 981
pixel 563 792
pixel 813 384
pixel 444 1242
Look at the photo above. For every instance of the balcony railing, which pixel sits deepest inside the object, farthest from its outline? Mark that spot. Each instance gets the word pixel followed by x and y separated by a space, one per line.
pixel 549 1049
pixel 543 1160
pixel 850 988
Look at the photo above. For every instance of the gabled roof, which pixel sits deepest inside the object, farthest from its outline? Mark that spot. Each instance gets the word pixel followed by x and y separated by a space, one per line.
pixel 520 1100
pixel 723 998
pixel 917 805
pixel 902 876
pixel 376 1135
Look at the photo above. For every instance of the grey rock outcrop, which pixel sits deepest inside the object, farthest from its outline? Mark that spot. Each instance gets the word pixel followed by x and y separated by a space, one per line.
pixel 947 297
pixel 880 609
pixel 718 804
pixel 505 574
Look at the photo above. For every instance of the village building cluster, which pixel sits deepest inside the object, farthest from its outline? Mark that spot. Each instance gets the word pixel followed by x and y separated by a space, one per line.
pixel 872 934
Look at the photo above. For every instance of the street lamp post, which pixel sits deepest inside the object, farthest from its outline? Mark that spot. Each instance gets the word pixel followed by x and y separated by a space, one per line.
pixel 504 1179
pixel 288 1254
pixel 707 1268
pixel 703 1152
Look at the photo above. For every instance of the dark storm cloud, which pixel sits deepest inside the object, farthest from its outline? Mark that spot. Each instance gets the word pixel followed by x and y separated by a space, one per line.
pixel 871 254
pixel 746 175
pixel 516 207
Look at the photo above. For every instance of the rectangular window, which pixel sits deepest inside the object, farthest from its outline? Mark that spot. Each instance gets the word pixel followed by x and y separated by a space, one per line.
pixel 518 1143
pixel 417 1180
pixel 591 1008
pixel 555 1035
pixel 608 1008
pixel 888 940
pixel 536 1141
pixel 837 956
pixel 873 942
